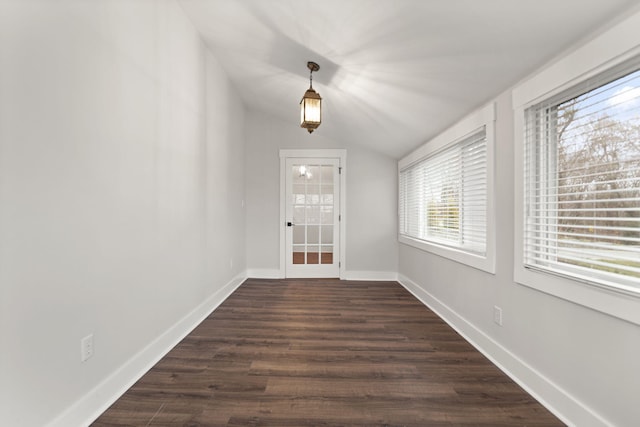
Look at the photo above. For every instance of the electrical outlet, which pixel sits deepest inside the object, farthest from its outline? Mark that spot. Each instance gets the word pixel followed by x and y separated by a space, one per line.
pixel 230 263
pixel 86 347
pixel 497 315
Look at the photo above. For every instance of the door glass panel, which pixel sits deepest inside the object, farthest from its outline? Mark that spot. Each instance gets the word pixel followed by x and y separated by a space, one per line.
pixel 298 215
pixel 327 194
pixel 313 185
pixel 298 254
pixel 298 193
pixel 298 235
pixel 299 174
pixel 313 254
pixel 313 214
pixel 313 234
pixel 326 214
pixel 327 174
pixel 313 195
pixel 326 256
pixel 327 234
pixel 314 177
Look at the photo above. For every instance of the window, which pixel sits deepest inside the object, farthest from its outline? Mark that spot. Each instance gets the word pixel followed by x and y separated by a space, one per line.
pixel 575 213
pixel 444 195
pixel 582 181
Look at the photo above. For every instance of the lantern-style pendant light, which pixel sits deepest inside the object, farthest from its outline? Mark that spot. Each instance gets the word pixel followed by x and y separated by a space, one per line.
pixel 311 103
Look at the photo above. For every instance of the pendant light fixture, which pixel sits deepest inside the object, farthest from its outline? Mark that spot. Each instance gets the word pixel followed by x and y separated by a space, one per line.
pixel 311 103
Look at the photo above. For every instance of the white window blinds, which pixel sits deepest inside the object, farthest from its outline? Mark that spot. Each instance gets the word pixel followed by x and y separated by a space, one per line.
pixel 582 181
pixel 443 198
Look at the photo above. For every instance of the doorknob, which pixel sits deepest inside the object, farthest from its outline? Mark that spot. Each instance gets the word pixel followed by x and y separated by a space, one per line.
pixel 290 224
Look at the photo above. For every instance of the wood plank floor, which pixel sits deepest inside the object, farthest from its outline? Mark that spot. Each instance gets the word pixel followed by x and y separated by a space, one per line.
pixel 324 353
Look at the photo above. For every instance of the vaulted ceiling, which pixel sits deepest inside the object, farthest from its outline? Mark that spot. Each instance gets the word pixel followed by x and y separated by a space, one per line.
pixel 394 73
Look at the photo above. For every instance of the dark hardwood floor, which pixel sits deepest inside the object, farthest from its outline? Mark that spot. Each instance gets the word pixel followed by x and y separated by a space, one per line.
pixel 324 353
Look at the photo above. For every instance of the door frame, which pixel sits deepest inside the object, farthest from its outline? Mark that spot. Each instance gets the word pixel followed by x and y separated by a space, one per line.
pixel 341 155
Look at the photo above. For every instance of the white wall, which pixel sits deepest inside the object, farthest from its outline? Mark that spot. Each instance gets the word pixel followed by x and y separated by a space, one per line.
pixel 580 362
pixel 122 173
pixel 371 211
pixel 121 183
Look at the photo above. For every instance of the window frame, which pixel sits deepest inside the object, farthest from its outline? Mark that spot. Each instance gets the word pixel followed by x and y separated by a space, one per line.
pixel 484 117
pixel 616 46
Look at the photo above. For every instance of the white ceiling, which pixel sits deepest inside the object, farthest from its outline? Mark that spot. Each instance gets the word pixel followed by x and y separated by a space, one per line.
pixel 393 73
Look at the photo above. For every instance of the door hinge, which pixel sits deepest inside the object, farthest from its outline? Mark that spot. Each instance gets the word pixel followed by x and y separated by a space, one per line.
pixel 339 217
pixel 340 170
pixel 339 264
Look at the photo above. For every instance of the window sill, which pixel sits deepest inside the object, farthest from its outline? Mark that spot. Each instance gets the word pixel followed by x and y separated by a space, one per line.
pixel 619 304
pixel 481 262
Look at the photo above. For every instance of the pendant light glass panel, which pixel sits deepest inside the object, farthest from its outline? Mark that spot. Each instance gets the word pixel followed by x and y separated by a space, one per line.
pixel 310 110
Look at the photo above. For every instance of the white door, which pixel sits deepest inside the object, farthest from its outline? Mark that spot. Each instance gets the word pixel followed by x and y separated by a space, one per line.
pixel 312 215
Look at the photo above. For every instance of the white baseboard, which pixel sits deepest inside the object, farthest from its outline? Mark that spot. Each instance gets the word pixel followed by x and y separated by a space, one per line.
pixel 91 406
pixel 562 404
pixel 265 273
pixel 371 275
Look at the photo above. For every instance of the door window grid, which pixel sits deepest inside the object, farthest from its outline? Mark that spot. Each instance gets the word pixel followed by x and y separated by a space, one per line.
pixel 313 214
